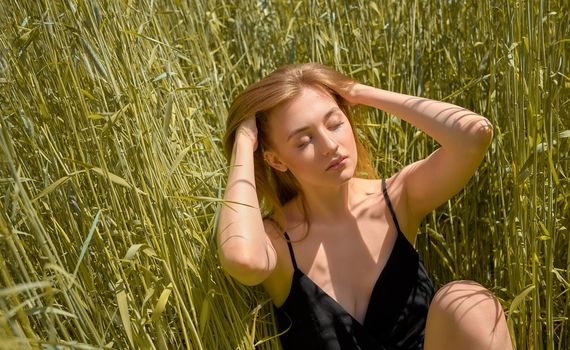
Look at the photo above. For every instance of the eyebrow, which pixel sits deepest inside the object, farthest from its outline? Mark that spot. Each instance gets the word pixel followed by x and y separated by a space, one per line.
pixel 325 118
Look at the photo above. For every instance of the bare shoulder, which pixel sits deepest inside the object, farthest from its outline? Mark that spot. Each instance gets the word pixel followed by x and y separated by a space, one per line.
pixel 275 235
pixel 278 284
pixel 396 188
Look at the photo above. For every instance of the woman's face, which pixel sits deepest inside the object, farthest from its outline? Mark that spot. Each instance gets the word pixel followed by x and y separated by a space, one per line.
pixel 312 138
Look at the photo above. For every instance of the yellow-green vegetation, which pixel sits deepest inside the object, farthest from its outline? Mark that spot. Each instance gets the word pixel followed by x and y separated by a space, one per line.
pixel 111 171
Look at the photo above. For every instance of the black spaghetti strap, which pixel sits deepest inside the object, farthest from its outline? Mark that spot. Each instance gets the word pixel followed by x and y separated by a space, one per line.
pixel 291 251
pixel 387 199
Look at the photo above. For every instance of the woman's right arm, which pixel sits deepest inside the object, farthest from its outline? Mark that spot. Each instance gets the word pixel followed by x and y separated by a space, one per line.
pixel 245 250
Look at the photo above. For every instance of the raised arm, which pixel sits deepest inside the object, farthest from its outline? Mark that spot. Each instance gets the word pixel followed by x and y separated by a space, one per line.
pixel 245 251
pixel 464 137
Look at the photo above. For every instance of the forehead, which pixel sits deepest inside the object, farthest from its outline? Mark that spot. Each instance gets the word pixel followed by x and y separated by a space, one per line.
pixel 308 108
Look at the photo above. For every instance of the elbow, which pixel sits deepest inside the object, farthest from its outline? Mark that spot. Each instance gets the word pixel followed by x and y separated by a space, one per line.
pixel 481 135
pixel 248 269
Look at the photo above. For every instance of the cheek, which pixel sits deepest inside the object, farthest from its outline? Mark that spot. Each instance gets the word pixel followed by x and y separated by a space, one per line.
pixel 349 138
pixel 302 160
pixel 301 164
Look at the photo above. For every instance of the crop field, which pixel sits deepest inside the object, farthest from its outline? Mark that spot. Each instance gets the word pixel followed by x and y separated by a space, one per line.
pixel 112 172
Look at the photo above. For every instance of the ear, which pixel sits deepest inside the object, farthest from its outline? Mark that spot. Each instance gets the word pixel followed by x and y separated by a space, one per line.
pixel 274 161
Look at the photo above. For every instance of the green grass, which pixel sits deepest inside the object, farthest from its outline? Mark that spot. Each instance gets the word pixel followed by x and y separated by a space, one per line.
pixel 111 170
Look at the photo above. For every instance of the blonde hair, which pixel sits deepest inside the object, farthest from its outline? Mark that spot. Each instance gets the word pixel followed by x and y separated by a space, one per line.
pixel 275 188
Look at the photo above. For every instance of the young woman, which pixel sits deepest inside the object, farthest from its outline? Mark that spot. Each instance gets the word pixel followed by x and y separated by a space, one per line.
pixel 333 249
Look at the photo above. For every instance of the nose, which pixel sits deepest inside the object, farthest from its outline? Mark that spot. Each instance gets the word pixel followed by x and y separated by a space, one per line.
pixel 330 145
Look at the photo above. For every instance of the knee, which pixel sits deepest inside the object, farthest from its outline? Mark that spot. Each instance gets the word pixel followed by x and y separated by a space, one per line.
pixel 467 299
pixel 467 310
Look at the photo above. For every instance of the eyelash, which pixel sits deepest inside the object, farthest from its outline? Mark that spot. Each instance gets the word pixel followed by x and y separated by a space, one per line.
pixel 337 125
pixel 305 144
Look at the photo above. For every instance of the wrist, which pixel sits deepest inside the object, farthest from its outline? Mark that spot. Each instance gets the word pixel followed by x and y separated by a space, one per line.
pixel 358 94
pixel 244 140
pixel 243 149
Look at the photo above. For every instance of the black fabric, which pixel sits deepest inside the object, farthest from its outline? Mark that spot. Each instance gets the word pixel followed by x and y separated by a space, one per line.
pixel 396 314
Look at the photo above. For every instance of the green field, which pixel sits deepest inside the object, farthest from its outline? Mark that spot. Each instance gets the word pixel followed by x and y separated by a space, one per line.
pixel 111 168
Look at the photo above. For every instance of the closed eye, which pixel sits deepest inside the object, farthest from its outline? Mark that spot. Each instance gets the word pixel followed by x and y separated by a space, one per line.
pixel 336 126
pixel 303 144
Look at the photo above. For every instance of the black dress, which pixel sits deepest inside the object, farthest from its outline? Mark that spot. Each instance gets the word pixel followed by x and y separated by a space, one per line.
pixel 396 314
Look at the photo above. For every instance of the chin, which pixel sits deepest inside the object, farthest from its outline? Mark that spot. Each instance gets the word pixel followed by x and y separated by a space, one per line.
pixel 347 174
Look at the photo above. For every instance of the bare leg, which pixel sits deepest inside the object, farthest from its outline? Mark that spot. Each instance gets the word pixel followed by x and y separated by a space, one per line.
pixel 465 315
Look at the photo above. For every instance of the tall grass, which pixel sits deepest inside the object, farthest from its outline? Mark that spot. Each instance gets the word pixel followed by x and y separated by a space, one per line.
pixel 111 172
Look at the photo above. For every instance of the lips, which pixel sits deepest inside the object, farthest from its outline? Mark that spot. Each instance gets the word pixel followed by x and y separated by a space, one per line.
pixel 335 162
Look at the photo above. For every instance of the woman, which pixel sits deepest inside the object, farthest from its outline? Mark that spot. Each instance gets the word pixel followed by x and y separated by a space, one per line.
pixel 335 250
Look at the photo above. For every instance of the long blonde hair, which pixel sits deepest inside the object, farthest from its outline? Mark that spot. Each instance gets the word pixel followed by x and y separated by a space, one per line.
pixel 275 188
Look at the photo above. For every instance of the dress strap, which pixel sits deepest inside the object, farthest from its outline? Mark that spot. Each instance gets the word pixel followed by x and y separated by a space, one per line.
pixel 387 199
pixel 291 251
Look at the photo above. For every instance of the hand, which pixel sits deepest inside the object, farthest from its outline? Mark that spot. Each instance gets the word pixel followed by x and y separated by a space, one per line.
pixel 351 93
pixel 248 128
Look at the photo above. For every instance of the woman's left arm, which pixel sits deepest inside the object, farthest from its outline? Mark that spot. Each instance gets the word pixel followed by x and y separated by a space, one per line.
pixel 464 137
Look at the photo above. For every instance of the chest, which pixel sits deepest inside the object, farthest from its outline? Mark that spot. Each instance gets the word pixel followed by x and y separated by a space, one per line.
pixel 346 261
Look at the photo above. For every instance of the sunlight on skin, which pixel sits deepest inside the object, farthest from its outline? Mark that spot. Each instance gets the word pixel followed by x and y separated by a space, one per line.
pixel 465 315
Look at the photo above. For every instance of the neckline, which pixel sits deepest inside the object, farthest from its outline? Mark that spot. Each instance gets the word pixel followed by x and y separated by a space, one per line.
pixel 335 303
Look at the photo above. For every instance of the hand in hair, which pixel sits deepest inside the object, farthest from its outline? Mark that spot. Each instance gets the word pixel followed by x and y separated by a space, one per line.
pixel 350 93
pixel 248 128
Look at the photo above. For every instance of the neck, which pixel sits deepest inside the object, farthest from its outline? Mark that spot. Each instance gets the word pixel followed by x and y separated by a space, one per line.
pixel 326 204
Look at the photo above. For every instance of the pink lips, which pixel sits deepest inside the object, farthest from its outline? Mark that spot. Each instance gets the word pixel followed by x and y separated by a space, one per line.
pixel 337 163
